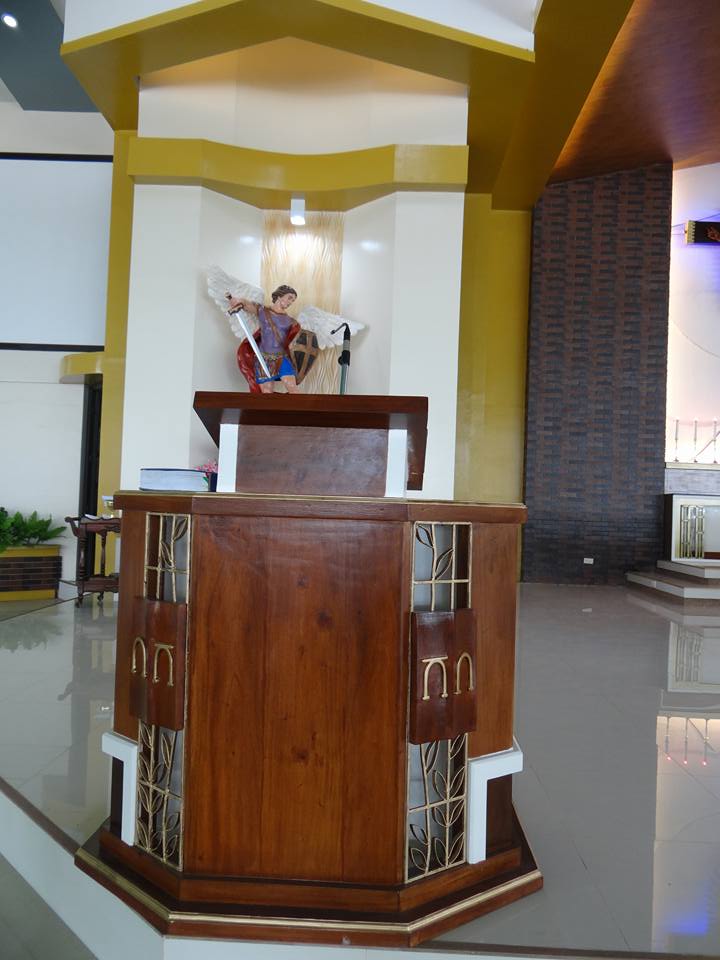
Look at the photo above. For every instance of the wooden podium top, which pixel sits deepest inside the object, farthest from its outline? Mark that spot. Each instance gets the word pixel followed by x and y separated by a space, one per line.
pixel 323 410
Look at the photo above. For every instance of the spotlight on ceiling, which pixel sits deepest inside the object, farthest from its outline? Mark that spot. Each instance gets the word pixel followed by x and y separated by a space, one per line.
pixel 297 211
pixel 9 20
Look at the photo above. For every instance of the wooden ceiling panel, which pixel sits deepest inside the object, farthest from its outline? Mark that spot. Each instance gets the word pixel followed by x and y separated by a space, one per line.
pixel 656 96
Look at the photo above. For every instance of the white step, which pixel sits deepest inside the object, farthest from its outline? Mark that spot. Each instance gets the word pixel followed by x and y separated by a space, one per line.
pixel 674 587
pixel 705 569
pixel 703 619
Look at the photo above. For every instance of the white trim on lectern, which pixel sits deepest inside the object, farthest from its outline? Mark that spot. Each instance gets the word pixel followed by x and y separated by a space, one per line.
pixel 125 751
pixel 227 458
pixel 482 769
pixel 396 473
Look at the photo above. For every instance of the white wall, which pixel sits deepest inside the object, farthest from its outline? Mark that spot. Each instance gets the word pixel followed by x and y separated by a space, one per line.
pixel 234 98
pixel 401 276
pixel 694 331
pixel 509 21
pixel 231 237
pixel 40 439
pixel 44 131
pixel 367 292
pixel 426 318
pixel 53 274
pixel 176 345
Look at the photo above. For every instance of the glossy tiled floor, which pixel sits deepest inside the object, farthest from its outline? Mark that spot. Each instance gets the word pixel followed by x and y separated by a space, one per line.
pixel 618 713
pixel 625 831
pixel 56 690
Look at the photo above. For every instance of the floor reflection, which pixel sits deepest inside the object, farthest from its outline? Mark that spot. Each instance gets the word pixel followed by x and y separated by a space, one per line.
pixel 628 841
pixel 686 875
pixel 618 714
pixel 56 695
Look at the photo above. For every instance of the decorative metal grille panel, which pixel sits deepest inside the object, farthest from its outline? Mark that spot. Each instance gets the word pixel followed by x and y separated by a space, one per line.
pixel 688 646
pixel 167 557
pixel 437 771
pixel 159 822
pixel 436 808
pixel 692 531
pixel 441 566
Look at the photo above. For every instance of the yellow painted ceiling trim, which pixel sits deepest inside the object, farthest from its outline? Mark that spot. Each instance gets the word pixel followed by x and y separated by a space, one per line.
pixel 76 366
pixel 358 7
pixel 572 40
pixel 331 181
pixel 108 64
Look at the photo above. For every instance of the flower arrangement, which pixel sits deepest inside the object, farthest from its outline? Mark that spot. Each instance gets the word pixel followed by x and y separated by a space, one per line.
pixel 19 530
pixel 211 468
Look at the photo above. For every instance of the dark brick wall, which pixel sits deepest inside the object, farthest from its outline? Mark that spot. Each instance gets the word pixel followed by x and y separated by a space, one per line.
pixel 29 573
pixel 597 360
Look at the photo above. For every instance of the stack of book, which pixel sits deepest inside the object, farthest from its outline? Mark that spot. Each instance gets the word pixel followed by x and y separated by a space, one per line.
pixel 166 478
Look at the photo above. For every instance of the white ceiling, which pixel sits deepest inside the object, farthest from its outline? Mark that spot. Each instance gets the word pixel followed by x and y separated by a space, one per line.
pixel 506 21
pixel 5 95
pixel 59 6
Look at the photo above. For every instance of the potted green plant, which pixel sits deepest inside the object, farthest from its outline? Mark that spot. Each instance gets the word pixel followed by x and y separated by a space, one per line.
pixel 30 568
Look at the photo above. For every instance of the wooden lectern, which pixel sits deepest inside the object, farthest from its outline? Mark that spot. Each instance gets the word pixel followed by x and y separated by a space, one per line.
pixel 314 693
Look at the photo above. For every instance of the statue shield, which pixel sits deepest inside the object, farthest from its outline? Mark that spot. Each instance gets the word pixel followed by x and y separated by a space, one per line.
pixel 303 351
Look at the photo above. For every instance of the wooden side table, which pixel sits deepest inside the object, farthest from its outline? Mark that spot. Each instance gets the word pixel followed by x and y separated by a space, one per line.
pixel 86 580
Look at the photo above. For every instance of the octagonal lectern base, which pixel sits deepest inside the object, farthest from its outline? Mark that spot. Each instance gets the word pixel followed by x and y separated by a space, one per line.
pixel 435 909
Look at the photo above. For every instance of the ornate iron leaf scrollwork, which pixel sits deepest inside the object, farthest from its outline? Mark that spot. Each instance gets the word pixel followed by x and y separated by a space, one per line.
pixel 159 820
pixel 436 815
pixel 437 775
pixel 158 827
pixel 441 566
pixel 167 556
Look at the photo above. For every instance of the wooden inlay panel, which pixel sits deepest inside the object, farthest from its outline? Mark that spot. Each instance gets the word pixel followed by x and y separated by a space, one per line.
pixel 311 460
pixel 157 682
pixel 295 739
pixel 494 568
pixel 132 573
pixel 655 98
pixel 443 664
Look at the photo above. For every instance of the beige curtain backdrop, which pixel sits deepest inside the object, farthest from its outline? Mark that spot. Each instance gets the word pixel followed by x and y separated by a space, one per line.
pixel 308 258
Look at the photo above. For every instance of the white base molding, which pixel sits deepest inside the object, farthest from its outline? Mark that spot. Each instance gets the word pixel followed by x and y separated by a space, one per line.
pixel 126 751
pixel 480 771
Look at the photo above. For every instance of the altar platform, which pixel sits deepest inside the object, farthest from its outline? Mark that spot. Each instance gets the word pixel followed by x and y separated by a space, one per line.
pixel 610 708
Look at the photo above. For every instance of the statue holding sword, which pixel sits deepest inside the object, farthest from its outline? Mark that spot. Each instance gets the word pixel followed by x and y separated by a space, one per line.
pixel 276 348
pixel 272 359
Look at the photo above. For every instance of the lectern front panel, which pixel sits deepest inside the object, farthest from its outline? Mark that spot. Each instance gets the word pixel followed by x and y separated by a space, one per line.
pixel 297 706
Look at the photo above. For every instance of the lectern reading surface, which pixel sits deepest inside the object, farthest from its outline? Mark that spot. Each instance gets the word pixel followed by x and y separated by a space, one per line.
pixel 313 444
pixel 314 701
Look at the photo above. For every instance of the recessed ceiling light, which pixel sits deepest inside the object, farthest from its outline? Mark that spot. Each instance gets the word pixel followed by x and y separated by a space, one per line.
pixel 9 20
pixel 297 211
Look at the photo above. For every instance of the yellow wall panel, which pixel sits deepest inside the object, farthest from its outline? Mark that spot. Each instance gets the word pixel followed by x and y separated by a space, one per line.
pixel 492 357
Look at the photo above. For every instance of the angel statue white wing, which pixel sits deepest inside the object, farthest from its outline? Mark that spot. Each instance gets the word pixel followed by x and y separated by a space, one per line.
pixel 219 284
pixel 323 323
pixel 320 322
